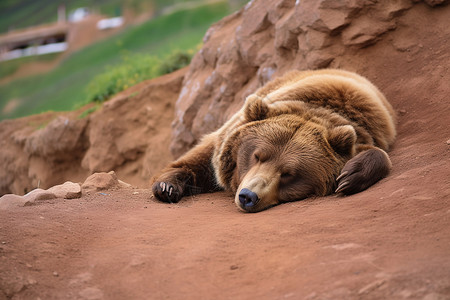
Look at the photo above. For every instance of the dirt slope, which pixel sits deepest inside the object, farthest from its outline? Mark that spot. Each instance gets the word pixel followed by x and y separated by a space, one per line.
pixel 130 134
pixel 389 242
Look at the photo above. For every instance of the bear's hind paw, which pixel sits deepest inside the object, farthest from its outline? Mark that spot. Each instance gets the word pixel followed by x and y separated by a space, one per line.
pixel 166 192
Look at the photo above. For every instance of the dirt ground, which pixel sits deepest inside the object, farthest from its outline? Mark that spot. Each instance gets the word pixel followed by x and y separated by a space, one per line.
pixel 389 242
pixel 125 245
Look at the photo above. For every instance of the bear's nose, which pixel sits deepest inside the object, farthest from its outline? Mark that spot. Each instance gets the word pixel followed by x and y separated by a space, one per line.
pixel 248 198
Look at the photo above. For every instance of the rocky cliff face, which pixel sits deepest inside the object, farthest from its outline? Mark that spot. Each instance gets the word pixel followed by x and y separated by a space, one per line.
pixel 268 37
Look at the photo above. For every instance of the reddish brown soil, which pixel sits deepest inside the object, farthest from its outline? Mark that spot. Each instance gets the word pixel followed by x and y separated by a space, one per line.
pixel 389 242
pixel 123 245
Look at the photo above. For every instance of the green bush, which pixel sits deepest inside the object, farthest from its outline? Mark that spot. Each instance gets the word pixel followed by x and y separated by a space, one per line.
pixel 175 61
pixel 131 71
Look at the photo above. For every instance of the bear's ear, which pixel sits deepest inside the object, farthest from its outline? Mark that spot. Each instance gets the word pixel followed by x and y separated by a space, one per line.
pixel 343 139
pixel 255 108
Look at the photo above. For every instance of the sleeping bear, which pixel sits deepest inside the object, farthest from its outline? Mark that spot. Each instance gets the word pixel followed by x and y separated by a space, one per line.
pixel 307 133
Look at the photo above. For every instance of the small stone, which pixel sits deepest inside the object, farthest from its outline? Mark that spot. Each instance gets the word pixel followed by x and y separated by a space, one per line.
pixel 39 195
pixel 234 267
pixel 9 201
pixel 99 181
pixel 135 193
pixel 103 181
pixel 402 112
pixel 124 185
pixel 67 190
pixel 448 142
pixel 55 274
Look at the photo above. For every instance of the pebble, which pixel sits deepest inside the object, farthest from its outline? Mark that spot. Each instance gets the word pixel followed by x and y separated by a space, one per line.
pixel 67 190
pixel 103 181
pixel 39 195
pixel 9 201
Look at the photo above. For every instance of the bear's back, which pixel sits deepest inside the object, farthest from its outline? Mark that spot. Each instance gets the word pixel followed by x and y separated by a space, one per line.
pixel 346 93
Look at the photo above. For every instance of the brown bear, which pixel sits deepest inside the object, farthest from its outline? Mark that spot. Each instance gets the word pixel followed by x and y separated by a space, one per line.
pixel 307 133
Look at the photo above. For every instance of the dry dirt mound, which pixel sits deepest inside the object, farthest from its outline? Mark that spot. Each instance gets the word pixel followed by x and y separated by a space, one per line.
pixel 129 134
pixel 389 242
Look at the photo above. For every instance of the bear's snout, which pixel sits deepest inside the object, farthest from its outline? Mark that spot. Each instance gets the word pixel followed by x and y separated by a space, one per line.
pixel 248 198
pixel 257 191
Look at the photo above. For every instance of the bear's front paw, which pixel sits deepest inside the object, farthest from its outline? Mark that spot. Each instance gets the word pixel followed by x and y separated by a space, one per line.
pixel 362 171
pixel 167 192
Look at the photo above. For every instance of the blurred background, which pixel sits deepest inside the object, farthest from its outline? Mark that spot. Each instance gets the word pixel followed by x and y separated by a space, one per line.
pixel 58 55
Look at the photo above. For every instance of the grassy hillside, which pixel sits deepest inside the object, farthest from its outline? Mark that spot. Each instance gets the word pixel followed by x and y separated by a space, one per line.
pixel 64 88
pixel 15 14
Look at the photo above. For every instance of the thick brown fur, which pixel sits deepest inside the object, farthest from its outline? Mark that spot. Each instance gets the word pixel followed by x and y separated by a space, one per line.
pixel 307 133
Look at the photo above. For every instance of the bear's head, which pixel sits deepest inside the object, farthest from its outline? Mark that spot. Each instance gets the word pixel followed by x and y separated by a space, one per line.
pixel 281 159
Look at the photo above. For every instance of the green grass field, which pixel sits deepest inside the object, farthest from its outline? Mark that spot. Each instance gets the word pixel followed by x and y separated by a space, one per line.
pixel 10 66
pixel 64 88
pixel 16 14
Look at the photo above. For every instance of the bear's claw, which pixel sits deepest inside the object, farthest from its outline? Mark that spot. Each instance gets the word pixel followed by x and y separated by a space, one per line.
pixel 341 186
pixel 362 171
pixel 351 181
pixel 340 177
pixel 166 192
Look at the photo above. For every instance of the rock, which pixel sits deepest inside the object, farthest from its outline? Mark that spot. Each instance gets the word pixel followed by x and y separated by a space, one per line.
pixel 100 181
pixel 365 31
pixel 68 190
pixel 331 20
pixel 39 195
pixel 9 201
pixel 124 185
pixel 59 140
pixel 103 181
